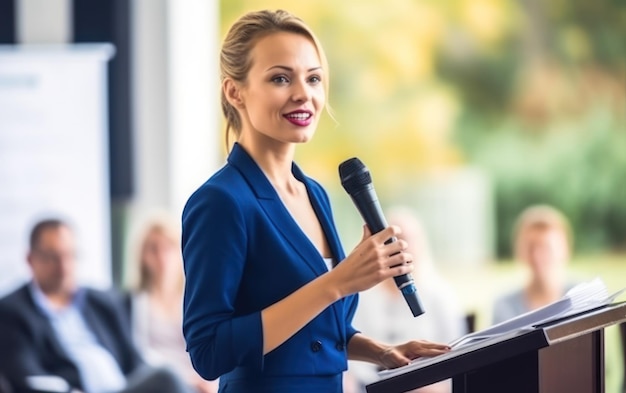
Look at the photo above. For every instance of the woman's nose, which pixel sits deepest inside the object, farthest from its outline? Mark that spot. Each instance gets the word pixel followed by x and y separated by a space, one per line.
pixel 300 91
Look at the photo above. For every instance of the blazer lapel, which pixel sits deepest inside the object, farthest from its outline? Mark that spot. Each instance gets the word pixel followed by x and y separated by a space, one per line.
pixel 282 219
pixel 100 331
pixel 276 210
pixel 46 327
pixel 328 226
pixel 325 218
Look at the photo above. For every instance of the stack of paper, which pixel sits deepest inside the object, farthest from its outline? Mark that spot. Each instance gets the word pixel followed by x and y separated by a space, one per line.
pixel 583 297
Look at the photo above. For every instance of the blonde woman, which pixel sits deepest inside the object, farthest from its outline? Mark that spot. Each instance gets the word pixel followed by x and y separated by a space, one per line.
pixel 269 292
pixel 156 300
pixel 543 242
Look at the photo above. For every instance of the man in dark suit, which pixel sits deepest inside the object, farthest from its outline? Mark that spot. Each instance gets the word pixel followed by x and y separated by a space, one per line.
pixel 58 337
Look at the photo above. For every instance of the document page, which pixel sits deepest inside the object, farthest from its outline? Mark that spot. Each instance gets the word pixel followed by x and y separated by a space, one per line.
pixel 583 297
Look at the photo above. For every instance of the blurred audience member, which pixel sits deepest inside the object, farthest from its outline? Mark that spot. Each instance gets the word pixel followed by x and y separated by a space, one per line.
pixel 58 336
pixel 156 300
pixel 542 240
pixel 384 315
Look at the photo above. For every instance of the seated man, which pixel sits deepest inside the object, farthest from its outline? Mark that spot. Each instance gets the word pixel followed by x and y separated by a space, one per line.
pixel 57 336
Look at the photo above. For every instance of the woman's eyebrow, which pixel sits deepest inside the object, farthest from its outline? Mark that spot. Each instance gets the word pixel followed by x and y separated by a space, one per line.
pixel 291 69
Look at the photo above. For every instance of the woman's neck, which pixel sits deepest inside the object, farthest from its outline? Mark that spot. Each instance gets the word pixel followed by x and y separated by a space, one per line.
pixel 275 160
pixel 166 301
pixel 541 292
pixel 164 290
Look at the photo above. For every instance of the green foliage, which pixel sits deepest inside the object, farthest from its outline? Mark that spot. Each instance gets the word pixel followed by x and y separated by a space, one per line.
pixel 579 168
pixel 531 91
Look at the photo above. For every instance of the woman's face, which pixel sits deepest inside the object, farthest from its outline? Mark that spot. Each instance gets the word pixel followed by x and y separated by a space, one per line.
pixel 545 250
pixel 283 96
pixel 161 256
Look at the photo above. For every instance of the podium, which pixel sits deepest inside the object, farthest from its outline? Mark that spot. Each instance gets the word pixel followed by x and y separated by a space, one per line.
pixel 565 355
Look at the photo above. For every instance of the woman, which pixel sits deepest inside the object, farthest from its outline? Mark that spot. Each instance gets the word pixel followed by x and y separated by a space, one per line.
pixel 269 293
pixel 156 303
pixel 543 243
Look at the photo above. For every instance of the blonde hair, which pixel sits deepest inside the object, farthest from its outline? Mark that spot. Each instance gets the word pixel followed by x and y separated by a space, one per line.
pixel 159 222
pixel 235 60
pixel 542 217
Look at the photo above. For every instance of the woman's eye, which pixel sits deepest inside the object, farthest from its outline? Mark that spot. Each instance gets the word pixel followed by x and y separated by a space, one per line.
pixel 280 79
pixel 315 79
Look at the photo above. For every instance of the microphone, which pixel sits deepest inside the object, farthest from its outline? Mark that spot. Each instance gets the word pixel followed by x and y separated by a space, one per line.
pixel 357 181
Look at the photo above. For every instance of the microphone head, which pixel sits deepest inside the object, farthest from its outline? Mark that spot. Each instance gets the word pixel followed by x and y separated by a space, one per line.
pixel 354 175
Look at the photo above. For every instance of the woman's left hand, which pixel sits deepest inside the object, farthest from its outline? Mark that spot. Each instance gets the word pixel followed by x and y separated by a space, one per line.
pixel 401 355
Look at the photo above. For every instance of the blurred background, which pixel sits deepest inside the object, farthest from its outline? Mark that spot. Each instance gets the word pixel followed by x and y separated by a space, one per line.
pixel 470 111
pixel 467 111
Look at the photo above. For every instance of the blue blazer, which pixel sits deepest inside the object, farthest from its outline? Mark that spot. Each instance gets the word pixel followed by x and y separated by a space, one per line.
pixel 243 252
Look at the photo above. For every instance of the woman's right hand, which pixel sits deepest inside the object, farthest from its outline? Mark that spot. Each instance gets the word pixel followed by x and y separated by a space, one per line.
pixel 373 261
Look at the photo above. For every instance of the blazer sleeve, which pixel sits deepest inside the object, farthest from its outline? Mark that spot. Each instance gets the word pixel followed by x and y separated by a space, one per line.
pixel 214 254
pixel 351 306
pixel 351 302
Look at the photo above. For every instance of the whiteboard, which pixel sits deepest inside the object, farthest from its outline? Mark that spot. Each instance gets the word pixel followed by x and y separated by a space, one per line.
pixel 54 154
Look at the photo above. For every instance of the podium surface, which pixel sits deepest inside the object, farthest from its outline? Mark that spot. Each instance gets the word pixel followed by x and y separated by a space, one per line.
pixel 565 355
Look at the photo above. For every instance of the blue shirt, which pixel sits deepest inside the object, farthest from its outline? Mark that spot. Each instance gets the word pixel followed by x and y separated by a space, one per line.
pixel 98 369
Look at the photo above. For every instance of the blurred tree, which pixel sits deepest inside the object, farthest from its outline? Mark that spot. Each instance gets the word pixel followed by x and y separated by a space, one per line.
pixel 532 92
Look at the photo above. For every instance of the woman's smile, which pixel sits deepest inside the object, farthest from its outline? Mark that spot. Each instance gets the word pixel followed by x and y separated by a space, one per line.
pixel 301 118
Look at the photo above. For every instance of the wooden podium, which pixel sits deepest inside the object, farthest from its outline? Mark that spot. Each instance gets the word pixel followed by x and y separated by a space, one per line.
pixel 565 355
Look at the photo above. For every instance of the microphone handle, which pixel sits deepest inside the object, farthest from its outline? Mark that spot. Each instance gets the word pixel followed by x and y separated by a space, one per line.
pixel 367 204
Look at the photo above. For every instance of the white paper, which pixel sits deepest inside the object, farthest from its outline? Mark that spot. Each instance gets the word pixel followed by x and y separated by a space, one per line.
pixel 583 297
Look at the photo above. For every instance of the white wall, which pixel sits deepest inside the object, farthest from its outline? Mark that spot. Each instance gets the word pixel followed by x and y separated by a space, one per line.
pixel 175 94
pixel 194 95
pixel 150 104
pixel 54 153
pixel 175 84
pixel 43 21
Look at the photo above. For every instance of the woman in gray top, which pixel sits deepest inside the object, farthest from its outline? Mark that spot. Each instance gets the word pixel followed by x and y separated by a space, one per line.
pixel 543 241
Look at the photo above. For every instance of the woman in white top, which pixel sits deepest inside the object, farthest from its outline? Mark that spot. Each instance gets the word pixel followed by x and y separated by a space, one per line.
pixel 384 315
pixel 156 302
